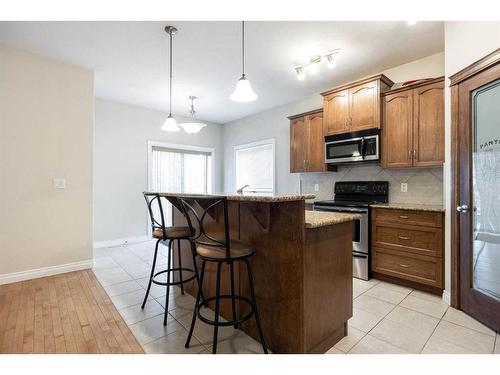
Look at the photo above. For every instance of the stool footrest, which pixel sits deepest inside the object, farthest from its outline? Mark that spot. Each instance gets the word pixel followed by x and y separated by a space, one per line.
pixel 174 282
pixel 228 322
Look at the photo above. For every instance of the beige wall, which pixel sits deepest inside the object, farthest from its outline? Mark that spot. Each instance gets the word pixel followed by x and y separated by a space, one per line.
pixel 46 130
pixel 465 43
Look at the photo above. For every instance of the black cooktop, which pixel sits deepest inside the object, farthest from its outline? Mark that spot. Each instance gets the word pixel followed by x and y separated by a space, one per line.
pixel 358 194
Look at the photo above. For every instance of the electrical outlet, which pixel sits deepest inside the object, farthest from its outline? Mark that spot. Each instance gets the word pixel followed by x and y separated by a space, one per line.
pixel 59 183
pixel 316 187
pixel 404 187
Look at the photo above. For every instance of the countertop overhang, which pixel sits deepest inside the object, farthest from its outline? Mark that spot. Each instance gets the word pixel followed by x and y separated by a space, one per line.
pixel 316 219
pixel 245 197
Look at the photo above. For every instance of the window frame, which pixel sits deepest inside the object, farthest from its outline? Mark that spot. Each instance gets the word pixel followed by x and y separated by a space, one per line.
pixel 180 147
pixel 271 141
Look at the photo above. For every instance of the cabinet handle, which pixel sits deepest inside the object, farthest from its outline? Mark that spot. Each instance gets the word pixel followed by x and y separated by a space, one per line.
pixel 415 155
pixel 404 265
pixel 409 154
pixel 403 217
pixel 346 123
pixel 404 238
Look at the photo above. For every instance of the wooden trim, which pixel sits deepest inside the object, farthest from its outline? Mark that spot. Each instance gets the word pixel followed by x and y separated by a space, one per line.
pixel 380 77
pixel 476 67
pixel 410 87
pixel 313 112
pixel 454 194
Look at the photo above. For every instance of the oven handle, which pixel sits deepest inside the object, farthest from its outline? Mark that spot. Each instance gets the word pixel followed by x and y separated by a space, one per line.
pixel 346 210
pixel 355 255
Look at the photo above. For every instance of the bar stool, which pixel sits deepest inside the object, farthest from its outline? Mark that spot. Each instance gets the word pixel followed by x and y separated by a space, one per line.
pixel 223 251
pixel 168 235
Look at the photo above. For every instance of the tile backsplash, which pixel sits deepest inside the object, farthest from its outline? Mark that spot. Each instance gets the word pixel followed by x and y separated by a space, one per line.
pixel 425 185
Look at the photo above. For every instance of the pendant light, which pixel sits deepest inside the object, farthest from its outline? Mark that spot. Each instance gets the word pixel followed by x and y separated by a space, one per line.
pixel 193 126
pixel 170 124
pixel 243 91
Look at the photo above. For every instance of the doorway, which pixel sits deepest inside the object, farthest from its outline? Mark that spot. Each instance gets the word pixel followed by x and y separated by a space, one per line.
pixel 476 179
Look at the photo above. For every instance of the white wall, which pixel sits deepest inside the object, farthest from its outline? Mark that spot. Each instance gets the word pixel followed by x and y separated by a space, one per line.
pixel 120 165
pixel 465 43
pixel 273 123
pixel 46 130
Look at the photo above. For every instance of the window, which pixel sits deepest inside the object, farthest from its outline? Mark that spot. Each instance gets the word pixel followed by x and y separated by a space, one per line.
pixel 254 166
pixel 178 168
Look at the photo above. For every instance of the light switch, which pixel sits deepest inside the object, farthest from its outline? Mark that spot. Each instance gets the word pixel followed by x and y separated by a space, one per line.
pixel 316 187
pixel 404 187
pixel 59 183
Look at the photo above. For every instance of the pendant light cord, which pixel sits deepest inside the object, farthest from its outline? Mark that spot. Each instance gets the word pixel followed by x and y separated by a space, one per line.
pixel 170 109
pixel 243 47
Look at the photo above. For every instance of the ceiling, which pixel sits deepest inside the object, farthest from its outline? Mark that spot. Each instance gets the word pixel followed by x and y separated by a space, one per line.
pixel 130 59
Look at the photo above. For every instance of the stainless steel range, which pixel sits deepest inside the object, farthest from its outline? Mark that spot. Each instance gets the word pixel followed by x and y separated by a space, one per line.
pixel 356 196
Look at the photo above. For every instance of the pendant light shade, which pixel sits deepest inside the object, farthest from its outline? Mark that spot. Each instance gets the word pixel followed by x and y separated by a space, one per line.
pixel 170 124
pixel 243 91
pixel 193 126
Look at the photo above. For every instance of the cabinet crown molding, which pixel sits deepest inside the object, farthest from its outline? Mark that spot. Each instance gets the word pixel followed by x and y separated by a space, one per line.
pixel 380 77
pixel 308 113
pixel 409 87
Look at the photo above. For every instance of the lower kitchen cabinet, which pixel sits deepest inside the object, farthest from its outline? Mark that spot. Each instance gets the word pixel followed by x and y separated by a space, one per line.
pixel 407 245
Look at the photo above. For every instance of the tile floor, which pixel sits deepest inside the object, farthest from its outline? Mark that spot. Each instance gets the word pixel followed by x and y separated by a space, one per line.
pixel 387 318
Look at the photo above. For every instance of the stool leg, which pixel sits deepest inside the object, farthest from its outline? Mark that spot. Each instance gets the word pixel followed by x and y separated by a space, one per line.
pixel 233 303
pixel 217 308
pixel 152 274
pixel 180 265
pixel 254 302
pixel 195 265
pixel 168 281
pixel 193 321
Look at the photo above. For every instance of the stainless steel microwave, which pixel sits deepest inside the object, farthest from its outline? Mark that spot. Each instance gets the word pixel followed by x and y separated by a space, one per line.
pixel 352 147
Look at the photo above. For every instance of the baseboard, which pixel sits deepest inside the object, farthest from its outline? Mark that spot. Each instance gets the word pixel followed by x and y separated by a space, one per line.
pixel 446 297
pixel 46 271
pixel 120 241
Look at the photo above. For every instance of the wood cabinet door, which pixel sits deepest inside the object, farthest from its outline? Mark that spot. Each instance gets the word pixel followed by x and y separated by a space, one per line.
pixel 316 152
pixel 428 125
pixel 336 112
pixel 397 149
pixel 299 139
pixel 364 106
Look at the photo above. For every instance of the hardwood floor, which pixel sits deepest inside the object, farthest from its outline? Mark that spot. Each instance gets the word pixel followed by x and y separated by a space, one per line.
pixel 67 313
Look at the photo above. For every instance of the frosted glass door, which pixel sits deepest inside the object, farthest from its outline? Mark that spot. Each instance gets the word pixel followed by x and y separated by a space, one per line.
pixel 486 189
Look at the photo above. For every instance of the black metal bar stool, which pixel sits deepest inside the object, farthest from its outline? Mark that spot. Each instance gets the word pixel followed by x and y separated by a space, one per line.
pixel 223 251
pixel 164 234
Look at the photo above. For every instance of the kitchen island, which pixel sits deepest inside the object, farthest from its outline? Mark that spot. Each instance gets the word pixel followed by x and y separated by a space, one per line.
pixel 302 268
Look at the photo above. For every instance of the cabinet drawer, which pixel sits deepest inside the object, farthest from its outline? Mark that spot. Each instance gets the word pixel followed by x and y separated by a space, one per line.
pixel 413 267
pixel 426 218
pixel 418 240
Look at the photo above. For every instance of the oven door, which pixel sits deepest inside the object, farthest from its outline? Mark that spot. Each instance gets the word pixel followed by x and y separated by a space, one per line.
pixel 360 226
pixel 344 151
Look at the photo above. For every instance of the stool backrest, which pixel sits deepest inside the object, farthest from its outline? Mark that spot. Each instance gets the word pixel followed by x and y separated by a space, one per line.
pixel 158 217
pixel 196 220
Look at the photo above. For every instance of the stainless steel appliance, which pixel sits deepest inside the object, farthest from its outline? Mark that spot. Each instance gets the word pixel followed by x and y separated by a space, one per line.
pixel 356 196
pixel 352 147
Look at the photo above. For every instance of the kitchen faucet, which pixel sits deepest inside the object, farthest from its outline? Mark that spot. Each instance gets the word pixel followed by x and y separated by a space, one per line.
pixel 240 190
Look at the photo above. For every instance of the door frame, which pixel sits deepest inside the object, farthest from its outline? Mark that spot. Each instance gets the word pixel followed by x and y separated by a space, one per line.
pixel 477 67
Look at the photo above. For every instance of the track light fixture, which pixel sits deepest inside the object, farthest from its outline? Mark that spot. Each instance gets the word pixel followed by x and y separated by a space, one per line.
pixel 313 65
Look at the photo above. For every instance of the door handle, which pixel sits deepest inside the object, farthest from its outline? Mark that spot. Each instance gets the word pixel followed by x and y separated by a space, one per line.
pixel 463 208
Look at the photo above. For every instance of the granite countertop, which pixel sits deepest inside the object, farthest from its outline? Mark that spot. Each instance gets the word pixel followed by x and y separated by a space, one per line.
pixel 315 219
pixel 410 206
pixel 246 197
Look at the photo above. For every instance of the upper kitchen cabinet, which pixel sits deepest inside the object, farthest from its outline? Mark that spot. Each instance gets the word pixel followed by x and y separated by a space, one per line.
pixel 354 106
pixel 413 126
pixel 307 142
